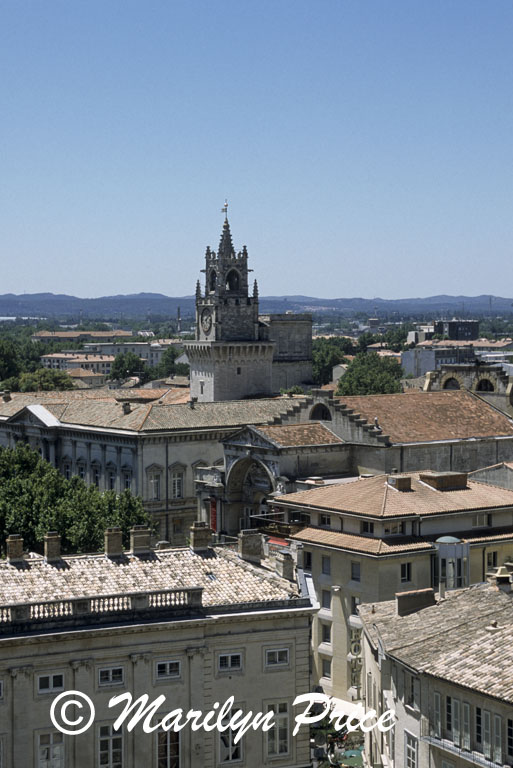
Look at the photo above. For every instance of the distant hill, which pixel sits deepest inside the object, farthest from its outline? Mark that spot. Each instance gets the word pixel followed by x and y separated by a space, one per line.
pixel 156 304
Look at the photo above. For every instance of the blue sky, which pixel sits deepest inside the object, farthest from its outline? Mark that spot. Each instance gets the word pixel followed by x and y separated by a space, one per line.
pixel 365 147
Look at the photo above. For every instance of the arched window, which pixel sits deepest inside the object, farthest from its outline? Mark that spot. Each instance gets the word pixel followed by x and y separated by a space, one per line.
pixel 452 383
pixel 212 281
pixel 320 412
pixel 485 385
pixel 233 280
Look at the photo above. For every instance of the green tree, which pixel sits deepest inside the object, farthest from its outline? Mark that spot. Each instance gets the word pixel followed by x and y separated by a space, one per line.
pixel 45 379
pixel 127 364
pixel 325 354
pixel 369 374
pixel 36 498
pixel 9 361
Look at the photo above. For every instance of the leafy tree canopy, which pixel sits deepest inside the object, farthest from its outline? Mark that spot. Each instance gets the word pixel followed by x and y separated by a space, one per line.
pixel 369 374
pixel 127 364
pixel 35 498
pixel 44 379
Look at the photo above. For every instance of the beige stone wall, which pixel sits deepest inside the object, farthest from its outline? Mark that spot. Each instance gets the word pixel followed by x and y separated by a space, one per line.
pixel 196 645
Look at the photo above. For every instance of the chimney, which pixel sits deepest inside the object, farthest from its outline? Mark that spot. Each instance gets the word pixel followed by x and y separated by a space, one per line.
pixel 113 539
pixel 192 402
pixel 126 407
pixel 411 602
pixel 400 482
pixel 441 590
pixel 284 565
pixel 140 540
pixel 200 536
pixel 52 546
pixel 6 395
pixel 250 545
pixel 502 579
pixel 445 481
pixel 14 546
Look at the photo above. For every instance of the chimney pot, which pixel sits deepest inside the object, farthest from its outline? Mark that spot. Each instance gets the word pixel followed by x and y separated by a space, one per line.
pixel 251 545
pixel 14 545
pixel 140 540
pixel 113 539
pixel 52 544
pixel 200 536
pixel 6 395
pixel 284 564
pixel 126 407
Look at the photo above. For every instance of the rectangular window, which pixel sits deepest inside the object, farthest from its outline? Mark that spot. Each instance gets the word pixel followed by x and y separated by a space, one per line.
pixel 307 560
pixel 411 685
pixel 355 571
pixel 278 735
pixel 325 633
pixel 81 471
pixel 326 599
pixel 367 528
pixel 325 521
pixel 67 471
pixel 326 565
pixel 497 739
pixel 112 481
pixel 167 670
pixel 50 683
pixel 96 477
pixel 491 560
pixel 479 728
pixel 51 750
pixel 481 520
pixel 177 485
pixel 229 752
pixel 1 690
pixel 127 481
pixel 405 572
pixel 456 726
pixel 487 736
pixel 110 747
pixel 355 602
pixel 110 676
pixel 326 668
pixel 448 714
pixel 155 487
pixel 437 724
pixel 393 529
pixel 410 751
pixel 277 657
pixel 229 661
pixel 509 741
pixel 465 729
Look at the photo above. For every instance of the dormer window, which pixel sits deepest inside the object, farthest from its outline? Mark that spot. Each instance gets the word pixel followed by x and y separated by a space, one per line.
pixel 481 520
pixel 367 528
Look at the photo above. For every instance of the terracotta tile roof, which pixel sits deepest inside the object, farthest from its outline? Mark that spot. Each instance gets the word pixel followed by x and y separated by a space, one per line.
pixel 102 408
pixel 224 577
pixel 450 640
pixel 430 416
pixel 477 343
pixel 364 544
pixel 373 496
pixel 77 373
pixel 290 435
pixel 77 334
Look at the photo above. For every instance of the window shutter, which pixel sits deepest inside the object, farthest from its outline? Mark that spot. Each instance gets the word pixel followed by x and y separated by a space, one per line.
pixel 437 730
pixel 416 693
pixel 465 734
pixel 487 746
pixel 456 721
pixel 497 739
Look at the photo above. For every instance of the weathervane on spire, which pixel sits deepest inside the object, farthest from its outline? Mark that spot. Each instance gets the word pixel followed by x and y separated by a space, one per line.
pixel 224 210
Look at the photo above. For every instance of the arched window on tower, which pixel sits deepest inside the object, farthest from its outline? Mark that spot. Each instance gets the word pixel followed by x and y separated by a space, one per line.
pixel 320 412
pixel 233 280
pixel 452 383
pixel 212 281
pixel 485 385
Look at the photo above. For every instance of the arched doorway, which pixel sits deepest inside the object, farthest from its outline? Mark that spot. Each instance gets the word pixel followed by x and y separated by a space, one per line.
pixel 452 383
pixel 485 385
pixel 248 484
pixel 320 412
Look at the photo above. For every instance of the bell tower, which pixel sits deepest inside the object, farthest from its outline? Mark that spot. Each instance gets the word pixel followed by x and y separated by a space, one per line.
pixel 224 310
pixel 229 360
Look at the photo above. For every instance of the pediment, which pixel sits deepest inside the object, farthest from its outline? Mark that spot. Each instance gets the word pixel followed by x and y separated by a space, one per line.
pixel 249 437
pixel 35 415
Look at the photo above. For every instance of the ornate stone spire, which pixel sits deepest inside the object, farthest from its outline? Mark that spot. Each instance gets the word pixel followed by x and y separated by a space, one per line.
pixel 226 250
pixel 255 290
pixel 198 290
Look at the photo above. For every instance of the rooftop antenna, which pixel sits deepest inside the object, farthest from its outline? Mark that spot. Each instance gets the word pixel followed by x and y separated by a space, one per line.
pixel 224 210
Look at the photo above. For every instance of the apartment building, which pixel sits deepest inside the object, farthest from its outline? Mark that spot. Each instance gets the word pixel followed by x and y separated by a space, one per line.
pixel 443 664
pixel 197 624
pixel 368 539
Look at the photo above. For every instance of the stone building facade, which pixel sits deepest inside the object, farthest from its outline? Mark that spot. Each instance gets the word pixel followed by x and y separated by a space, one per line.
pixel 452 689
pixel 195 625
pixel 365 540
pixel 237 353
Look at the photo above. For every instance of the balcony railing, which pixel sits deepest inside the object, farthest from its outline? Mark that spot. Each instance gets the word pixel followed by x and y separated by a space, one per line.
pixel 470 756
pixel 21 617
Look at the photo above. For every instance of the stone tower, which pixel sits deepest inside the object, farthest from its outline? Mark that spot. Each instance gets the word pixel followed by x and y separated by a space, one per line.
pixel 228 360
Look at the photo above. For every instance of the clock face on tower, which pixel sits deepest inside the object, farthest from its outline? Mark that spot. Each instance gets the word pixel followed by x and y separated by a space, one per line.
pixel 206 320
